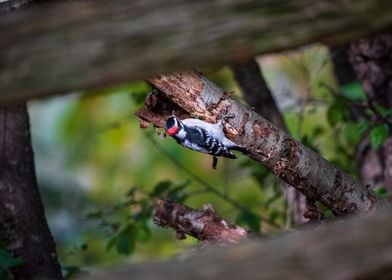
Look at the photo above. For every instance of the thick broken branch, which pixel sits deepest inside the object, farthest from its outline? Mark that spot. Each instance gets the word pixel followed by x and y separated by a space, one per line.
pixel 205 225
pixel 359 248
pixel 292 162
pixel 85 44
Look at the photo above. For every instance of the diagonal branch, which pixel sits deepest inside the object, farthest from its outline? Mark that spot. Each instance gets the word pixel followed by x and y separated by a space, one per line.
pixel 259 96
pixel 292 162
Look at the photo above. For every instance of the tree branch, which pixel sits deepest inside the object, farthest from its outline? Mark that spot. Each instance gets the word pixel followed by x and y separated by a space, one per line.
pixel 205 225
pixel 359 248
pixel 84 44
pixel 292 162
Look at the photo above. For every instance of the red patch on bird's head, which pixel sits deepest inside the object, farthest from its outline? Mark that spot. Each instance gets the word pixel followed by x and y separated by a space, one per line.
pixel 173 130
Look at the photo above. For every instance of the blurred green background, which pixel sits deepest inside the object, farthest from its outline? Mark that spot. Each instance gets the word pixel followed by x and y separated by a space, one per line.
pixel 99 173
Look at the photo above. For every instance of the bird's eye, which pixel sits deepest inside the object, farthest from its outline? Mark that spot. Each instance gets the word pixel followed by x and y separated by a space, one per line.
pixel 170 122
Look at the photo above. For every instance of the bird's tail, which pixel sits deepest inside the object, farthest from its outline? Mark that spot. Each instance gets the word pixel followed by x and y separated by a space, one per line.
pixel 243 150
pixel 229 155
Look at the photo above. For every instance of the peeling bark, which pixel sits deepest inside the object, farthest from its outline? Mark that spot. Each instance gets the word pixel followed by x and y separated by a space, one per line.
pixel 292 162
pixel 205 225
pixel 258 96
pixel 359 248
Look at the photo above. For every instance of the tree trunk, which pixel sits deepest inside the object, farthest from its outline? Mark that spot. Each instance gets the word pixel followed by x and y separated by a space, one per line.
pixel 358 249
pixel 24 230
pixel 258 96
pixel 372 62
pixel 86 44
pixel 290 161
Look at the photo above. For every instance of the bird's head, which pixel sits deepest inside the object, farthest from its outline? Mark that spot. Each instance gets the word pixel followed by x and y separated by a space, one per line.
pixel 173 125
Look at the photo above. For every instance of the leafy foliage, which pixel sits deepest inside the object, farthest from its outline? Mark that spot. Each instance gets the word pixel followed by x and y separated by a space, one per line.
pixel 378 135
pixel 353 92
pixel 7 261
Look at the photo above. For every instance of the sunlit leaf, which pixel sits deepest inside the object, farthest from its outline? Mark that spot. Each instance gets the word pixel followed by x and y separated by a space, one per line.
pixel 378 135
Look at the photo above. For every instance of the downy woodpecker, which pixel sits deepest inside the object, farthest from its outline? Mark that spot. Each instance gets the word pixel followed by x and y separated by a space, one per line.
pixel 203 137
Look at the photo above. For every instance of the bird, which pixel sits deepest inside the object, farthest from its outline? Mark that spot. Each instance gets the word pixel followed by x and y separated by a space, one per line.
pixel 202 137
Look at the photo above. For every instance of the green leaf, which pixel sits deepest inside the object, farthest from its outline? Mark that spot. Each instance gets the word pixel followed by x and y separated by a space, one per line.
pixel 386 113
pixel 177 193
pixel 7 260
pixel 94 215
pixel 354 92
pixel 318 131
pixel 274 215
pixel 353 132
pixel 126 240
pixel 160 188
pixel 378 135
pixel 250 220
pixel 337 113
pixel 381 192
pixel 143 233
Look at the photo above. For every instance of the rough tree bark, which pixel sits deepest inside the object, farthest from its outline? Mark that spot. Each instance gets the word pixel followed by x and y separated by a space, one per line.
pixel 290 161
pixel 24 230
pixel 90 43
pixel 258 96
pixel 341 251
pixel 204 225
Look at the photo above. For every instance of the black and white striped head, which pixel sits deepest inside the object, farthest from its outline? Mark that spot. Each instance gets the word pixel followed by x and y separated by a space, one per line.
pixel 173 126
